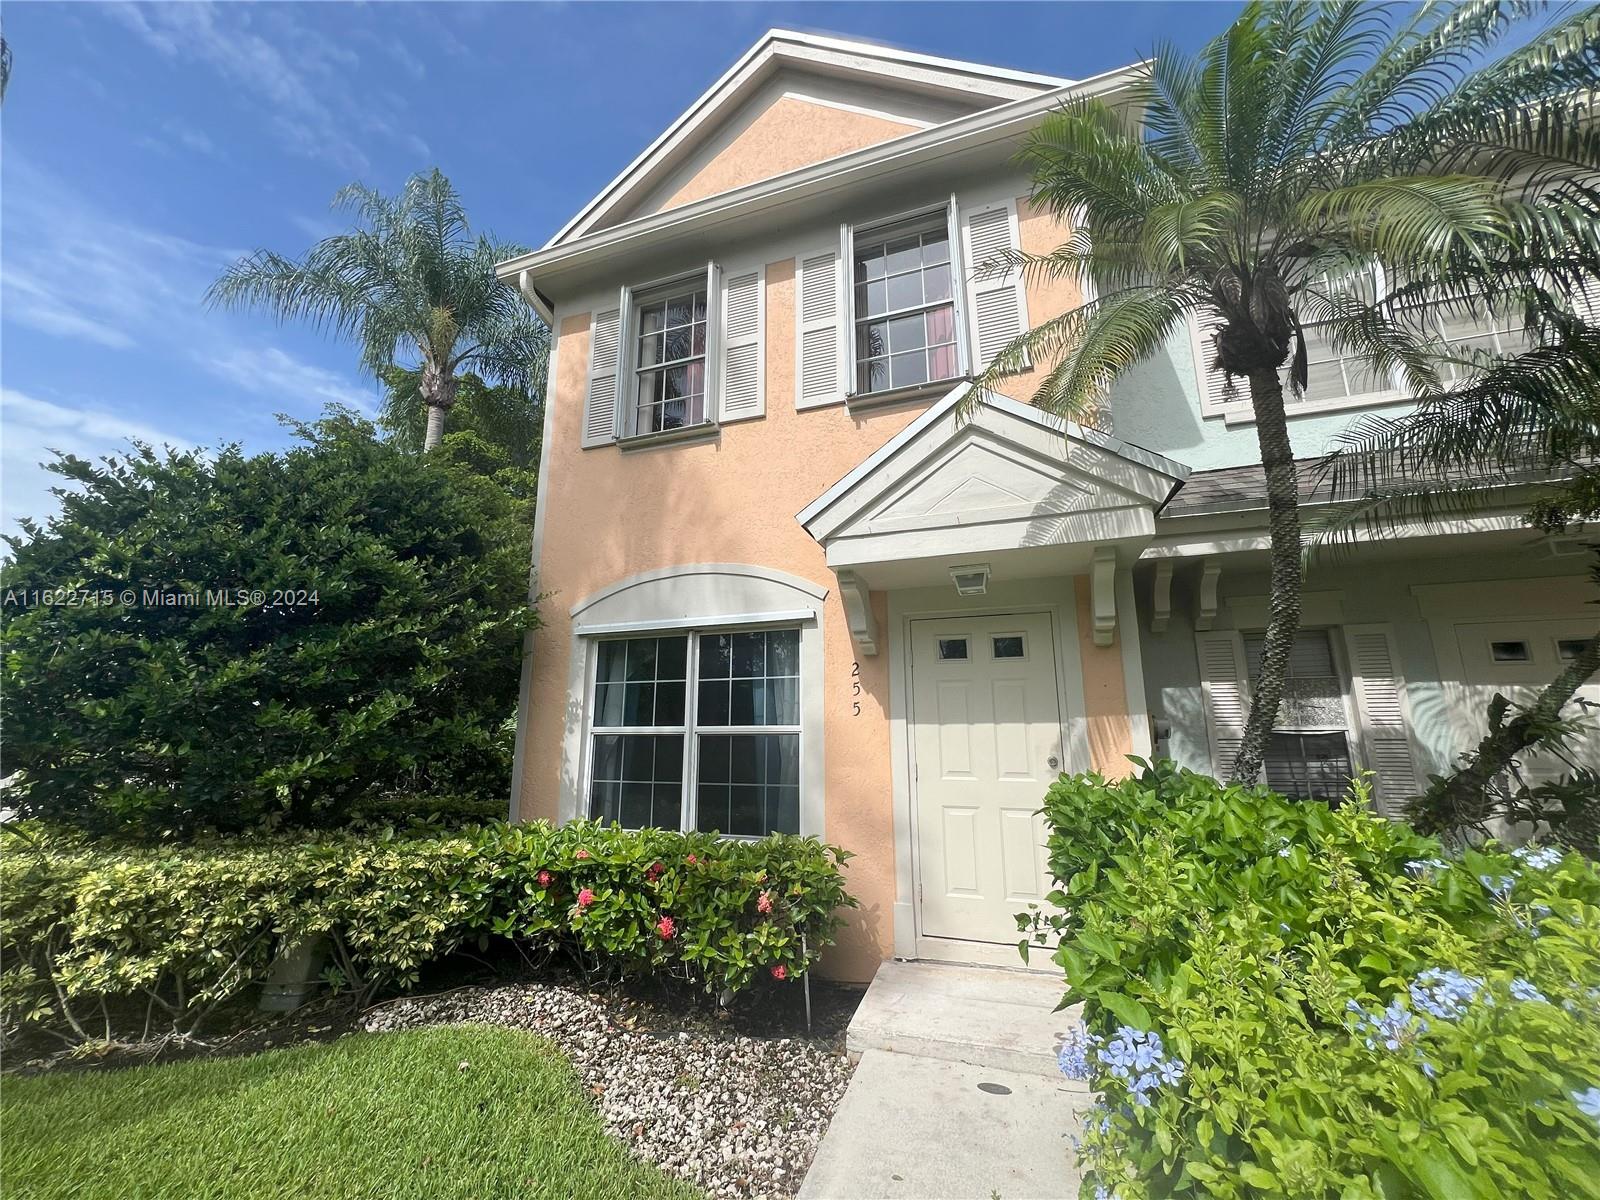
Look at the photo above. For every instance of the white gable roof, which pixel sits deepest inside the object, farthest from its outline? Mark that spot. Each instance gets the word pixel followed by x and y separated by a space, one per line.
pixel 969 87
pixel 1008 480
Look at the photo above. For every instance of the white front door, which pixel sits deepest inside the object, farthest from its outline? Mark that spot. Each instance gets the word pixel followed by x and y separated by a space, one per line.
pixel 986 745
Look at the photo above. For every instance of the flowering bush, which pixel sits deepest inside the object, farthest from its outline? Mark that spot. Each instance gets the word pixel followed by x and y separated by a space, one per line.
pixel 172 933
pixel 1283 998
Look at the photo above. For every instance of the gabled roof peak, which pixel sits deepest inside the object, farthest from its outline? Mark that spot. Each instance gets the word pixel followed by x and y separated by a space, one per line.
pixel 951 86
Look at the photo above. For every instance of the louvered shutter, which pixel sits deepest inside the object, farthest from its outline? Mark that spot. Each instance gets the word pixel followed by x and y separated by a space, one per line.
pixel 1225 691
pixel 600 404
pixel 999 314
pixel 743 362
pixel 817 311
pixel 1379 689
pixel 957 294
pixel 1587 301
pixel 1216 397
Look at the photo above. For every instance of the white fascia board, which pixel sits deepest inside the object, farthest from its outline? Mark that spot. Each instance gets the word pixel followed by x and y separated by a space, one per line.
pixel 752 64
pixel 1198 543
pixel 843 171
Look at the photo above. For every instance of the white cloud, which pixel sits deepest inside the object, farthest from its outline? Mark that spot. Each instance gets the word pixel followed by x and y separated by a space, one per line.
pixel 300 76
pixel 30 428
pixel 268 371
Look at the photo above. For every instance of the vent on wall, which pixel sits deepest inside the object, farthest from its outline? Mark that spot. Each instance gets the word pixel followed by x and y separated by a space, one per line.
pixel 971 580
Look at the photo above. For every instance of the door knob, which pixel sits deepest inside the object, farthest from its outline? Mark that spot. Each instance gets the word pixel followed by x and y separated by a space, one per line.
pixel 1053 762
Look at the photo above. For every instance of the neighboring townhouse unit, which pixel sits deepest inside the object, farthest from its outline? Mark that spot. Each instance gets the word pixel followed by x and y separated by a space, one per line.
pixel 784 588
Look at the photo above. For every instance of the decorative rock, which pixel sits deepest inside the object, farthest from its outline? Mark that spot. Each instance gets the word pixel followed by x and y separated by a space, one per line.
pixel 737 1116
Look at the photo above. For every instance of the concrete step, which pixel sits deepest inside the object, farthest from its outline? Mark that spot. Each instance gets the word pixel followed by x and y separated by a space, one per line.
pixel 985 1016
pixel 912 1128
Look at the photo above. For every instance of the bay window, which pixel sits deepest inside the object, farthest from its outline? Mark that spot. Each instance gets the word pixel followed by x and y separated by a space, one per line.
pixel 698 731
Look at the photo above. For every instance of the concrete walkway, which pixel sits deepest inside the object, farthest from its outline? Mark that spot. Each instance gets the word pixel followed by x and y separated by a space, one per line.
pixel 956 1095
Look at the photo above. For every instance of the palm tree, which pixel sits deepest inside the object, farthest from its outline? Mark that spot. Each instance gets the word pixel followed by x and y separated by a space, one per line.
pixel 1257 185
pixel 507 418
pixel 409 281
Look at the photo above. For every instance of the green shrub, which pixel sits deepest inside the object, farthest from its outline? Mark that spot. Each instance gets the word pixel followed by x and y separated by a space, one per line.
pixel 1287 999
pixel 95 932
pixel 390 665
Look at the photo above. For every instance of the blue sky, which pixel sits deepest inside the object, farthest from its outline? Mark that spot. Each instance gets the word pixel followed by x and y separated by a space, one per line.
pixel 146 146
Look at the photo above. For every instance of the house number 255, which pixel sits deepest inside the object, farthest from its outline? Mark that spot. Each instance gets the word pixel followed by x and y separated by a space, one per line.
pixel 855 688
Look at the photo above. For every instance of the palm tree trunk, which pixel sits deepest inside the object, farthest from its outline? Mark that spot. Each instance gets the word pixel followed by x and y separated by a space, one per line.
pixel 1461 800
pixel 1288 571
pixel 435 427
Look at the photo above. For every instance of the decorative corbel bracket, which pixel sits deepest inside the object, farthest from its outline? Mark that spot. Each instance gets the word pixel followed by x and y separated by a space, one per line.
pixel 858 612
pixel 1210 574
pixel 1161 597
pixel 1103 576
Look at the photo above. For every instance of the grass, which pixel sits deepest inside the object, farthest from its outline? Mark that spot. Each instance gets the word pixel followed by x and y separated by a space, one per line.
pixel 390 1115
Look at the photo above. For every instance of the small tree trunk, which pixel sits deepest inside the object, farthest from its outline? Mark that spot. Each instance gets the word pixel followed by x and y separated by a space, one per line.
pixel 1288 570
pixel 435 427
pixel 1458 800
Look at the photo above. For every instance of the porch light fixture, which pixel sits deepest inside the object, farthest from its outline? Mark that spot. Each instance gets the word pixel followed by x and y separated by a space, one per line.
pixel 971 580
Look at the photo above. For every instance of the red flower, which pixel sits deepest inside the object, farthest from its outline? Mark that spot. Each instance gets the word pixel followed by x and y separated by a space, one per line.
pixel 581 854
pixel 585 898
pixel 666 927
pixel 653 871
pixel 691 860
pixel 780 972
pixel 764 902
pixel 544 878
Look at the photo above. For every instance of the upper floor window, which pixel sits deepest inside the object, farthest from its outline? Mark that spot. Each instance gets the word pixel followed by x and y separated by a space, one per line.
pixel 669 388
pixel 1337 378
pixel 905 331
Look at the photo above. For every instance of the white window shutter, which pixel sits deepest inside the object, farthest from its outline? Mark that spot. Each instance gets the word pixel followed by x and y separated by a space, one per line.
pixel 818 312
pixel 600 405
pixel 1225 691
pixel 999 307
pixel 713 368
pixel 1379 689
pixel 958 294
pixel 743 337
pixel 1216 397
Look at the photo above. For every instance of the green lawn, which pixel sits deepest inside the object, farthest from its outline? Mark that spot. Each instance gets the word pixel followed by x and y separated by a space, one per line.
pixel 373 1115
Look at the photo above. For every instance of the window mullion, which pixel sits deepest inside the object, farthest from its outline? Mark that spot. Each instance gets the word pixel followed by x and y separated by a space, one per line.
pixel 691 740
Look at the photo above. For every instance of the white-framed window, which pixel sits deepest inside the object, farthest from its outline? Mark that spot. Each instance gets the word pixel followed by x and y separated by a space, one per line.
pixel 906 331
pixel 669 359
pixel 1337 380
pixel 907 301
pixel 698 730
pixel 1309 751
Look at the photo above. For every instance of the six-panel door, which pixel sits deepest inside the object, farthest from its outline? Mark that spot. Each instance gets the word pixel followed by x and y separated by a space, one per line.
pixel 986 742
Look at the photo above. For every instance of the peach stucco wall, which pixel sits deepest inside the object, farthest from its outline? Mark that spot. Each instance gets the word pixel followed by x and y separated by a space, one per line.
pixel 790 134
pixel 608 515
pixel 1038 232
pixel 1105 693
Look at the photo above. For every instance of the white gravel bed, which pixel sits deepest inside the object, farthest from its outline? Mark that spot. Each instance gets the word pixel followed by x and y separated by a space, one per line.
pixel 738 1116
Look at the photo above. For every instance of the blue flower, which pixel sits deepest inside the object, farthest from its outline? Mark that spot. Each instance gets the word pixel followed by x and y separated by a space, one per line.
pixel 1521 989
pixel 1588 1102
pixel 1421 866
pixel 1139 1059
pixel 1445 995
pixel 1540 858
pixel 1073 1056
pixel 1500 886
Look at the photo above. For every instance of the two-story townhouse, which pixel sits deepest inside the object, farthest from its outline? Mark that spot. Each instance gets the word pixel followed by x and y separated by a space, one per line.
pixel 784 588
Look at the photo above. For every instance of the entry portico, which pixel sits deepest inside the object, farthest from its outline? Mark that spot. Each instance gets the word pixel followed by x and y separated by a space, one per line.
pixel 1004 540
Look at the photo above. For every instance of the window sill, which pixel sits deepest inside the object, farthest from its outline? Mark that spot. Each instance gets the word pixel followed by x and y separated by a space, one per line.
pixel 1244 415
pixel 704 432
pixel 905 395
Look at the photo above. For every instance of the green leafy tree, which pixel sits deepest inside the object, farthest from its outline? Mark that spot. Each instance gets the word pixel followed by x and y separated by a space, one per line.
pixel 1259 182
pixel 507 418
pixel 410 282
pixel 360 639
